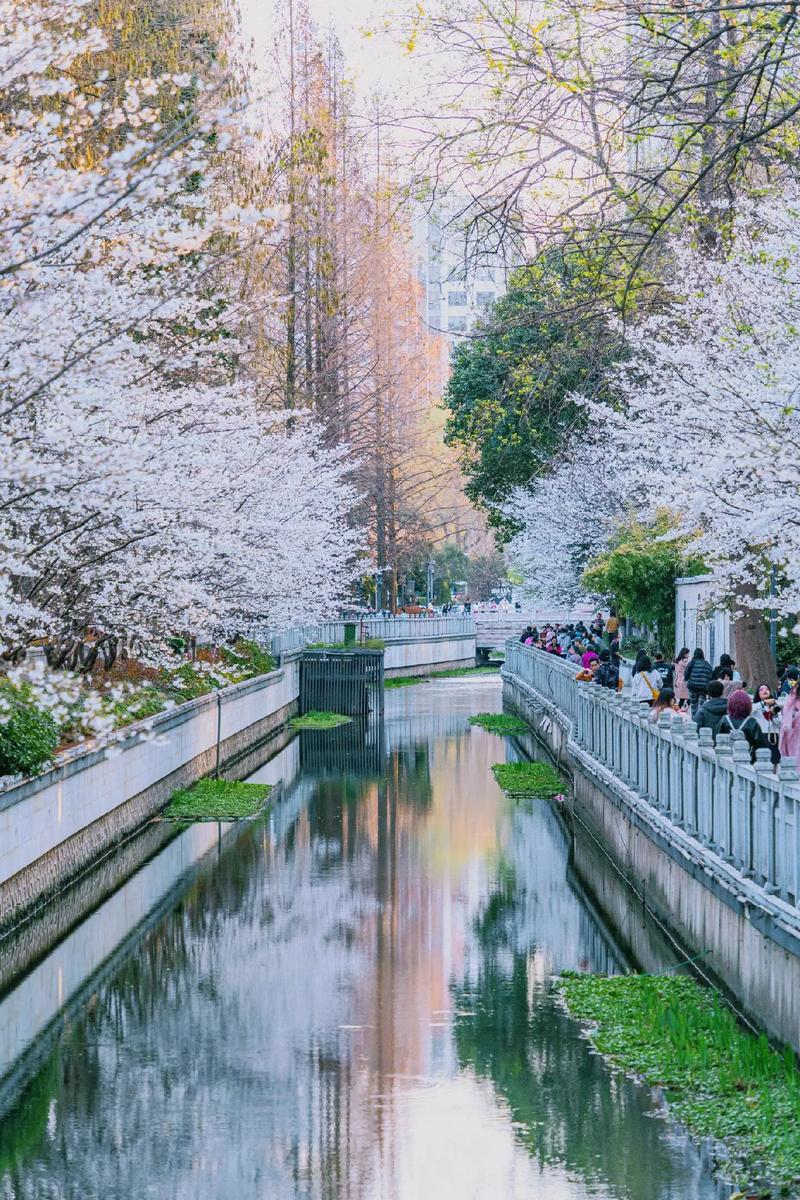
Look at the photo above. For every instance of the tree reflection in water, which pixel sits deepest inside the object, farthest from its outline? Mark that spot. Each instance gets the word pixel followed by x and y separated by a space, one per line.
pixel 307 1014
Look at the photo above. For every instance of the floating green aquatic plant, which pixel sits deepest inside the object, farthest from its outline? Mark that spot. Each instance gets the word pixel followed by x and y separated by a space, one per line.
pixel 720 1080
pixel 397 681
pixel 524 779
pixel 319 720
pixel 499 723
pixel 217 800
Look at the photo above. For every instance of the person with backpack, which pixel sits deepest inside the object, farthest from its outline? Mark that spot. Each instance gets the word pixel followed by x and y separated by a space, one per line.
pixel 709 714
pixel 664 668
pixel 646 683
pixel 697 678
pixel 607 674
pixel 740 716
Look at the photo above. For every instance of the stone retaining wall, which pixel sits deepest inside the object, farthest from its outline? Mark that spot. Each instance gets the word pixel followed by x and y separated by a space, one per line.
pixel 54 826
pixel 416 656
pixel 749 939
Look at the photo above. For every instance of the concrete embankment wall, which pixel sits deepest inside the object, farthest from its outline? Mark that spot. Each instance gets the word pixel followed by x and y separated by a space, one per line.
pixel 52 827
pixel 415 656
pixel 748 939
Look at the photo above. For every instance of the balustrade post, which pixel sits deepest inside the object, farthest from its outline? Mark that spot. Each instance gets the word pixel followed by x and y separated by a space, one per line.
pixel 690 759
pixel 768 801
pixel 790 793
pixel 664 753
pixel 642 730
pixel 675 800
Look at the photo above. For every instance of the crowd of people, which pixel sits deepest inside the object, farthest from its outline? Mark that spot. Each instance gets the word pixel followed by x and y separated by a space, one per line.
pixel 687 688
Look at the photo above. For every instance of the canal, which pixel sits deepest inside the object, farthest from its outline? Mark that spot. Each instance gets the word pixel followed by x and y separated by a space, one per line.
pixel 348 999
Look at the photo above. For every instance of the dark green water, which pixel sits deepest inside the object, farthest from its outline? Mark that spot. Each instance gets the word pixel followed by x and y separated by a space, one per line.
pixel 347 1000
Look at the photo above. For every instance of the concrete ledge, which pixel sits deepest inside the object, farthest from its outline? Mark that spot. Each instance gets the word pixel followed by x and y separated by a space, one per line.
pixel 429 668
pixel 31 887
pixel 750 939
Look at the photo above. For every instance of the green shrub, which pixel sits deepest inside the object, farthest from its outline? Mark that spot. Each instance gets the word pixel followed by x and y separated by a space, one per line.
pixel 252 658
pixel 137 706
pixel 187 683
pixel 630 646
pixel 28 738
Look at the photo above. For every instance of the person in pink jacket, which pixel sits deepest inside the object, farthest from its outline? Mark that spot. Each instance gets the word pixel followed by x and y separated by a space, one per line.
pixel 789 744
pixel 679 684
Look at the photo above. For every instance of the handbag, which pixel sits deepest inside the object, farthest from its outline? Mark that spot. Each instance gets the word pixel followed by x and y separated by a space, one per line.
pixel 654 692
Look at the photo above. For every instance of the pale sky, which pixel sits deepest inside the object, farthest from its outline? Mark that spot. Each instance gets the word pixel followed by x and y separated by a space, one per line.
pixel 378 62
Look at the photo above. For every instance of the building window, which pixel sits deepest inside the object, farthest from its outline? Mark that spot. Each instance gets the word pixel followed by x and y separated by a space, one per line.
pixel 457 324
pixel 457 299
pixel 485 274
pixel 484 299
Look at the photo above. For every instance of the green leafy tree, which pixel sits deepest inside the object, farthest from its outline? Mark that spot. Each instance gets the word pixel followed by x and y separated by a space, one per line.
pixel 451 566
pixel 509 395
pixel 638 572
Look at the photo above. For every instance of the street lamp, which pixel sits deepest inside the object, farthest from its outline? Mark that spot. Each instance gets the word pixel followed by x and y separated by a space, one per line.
pixel 431 573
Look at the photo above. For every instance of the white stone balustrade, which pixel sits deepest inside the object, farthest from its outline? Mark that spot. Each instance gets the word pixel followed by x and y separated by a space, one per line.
pixel 747 814
pixel 392 629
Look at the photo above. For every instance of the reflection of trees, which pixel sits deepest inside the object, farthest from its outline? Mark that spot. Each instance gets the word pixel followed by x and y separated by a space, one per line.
pixel 565 1109
pixel 25 1127
pixel 409 777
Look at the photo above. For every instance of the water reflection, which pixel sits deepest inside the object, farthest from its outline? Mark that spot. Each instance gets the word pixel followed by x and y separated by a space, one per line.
pixel 347 999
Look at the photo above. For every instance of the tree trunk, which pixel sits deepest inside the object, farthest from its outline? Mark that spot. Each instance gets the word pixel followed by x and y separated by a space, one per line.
pixel 754 660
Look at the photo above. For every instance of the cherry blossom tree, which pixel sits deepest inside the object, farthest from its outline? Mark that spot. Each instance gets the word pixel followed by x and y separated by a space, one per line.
pixel 566 516
pixel 144 486
pixel 711 425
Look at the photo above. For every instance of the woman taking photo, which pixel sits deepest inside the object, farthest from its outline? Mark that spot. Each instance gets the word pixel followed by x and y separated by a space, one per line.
pixel 767 712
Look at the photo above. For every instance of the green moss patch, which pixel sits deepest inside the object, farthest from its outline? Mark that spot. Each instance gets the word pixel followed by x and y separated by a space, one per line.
pixel 319 720
pixel 217 800
pixel 719 1080
pixel 398 681
pixel 499 723
pixel 521 780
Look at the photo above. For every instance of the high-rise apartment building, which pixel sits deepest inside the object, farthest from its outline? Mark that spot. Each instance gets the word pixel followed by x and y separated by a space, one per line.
pixel 464 264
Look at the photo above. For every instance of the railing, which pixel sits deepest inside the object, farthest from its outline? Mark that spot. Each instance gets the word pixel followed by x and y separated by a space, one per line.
pixel 389 629
pixel 748 815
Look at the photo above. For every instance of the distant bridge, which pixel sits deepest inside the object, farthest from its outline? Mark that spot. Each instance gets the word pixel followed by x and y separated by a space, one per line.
pixel 493 630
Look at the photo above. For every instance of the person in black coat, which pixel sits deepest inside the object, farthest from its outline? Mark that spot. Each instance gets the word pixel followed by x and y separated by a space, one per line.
pixel 665 669
pixel 709 715
pixel 698 676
